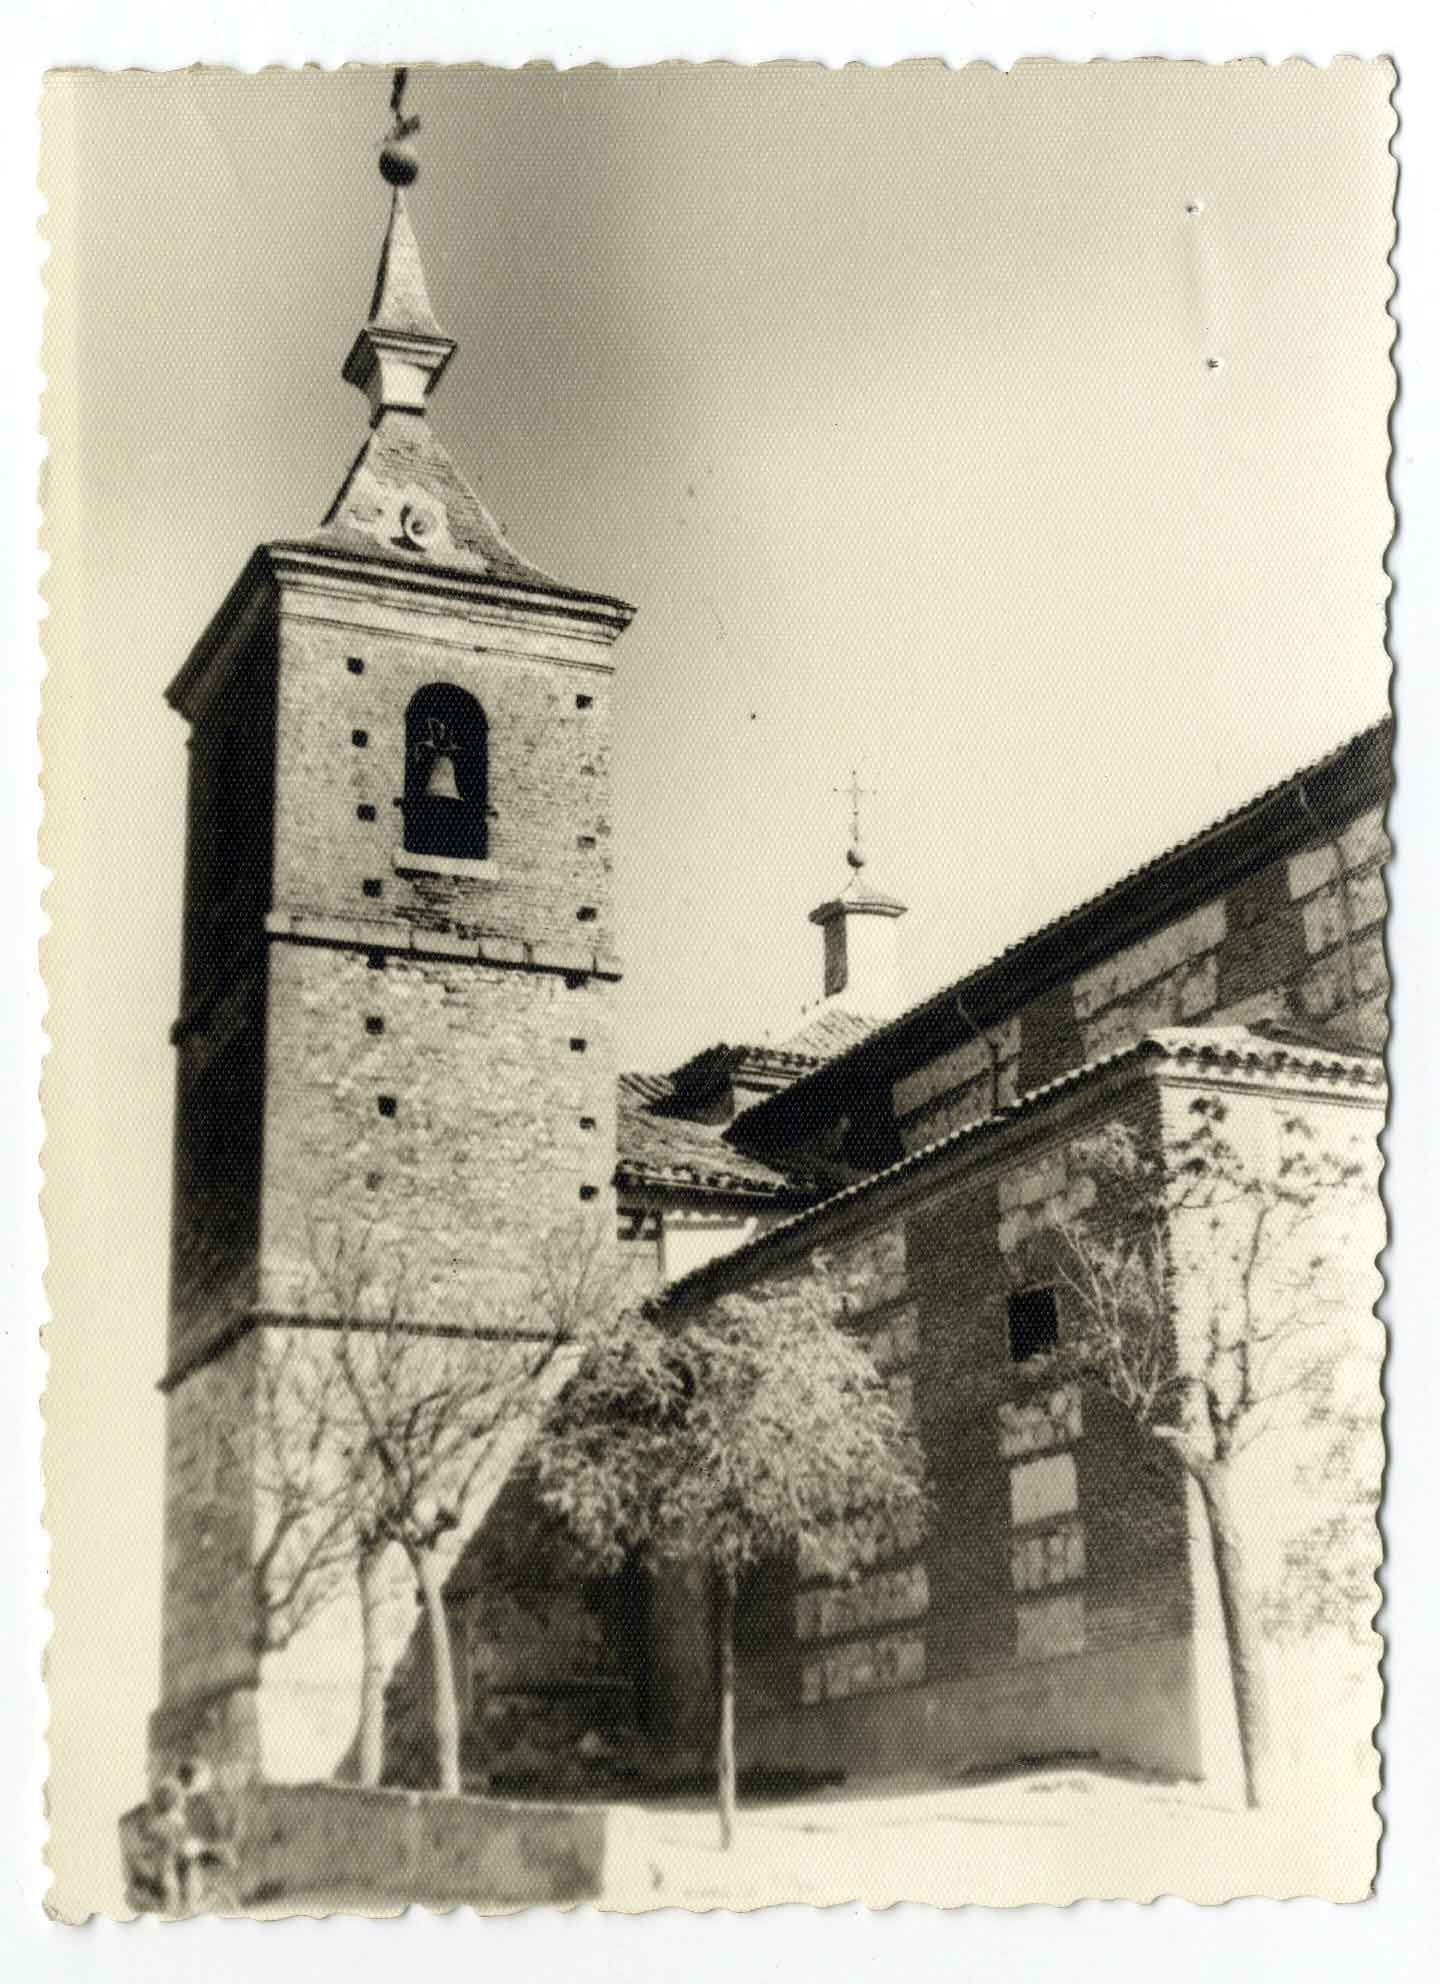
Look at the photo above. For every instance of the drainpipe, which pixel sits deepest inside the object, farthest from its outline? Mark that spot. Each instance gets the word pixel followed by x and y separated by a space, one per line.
pixel 1347 935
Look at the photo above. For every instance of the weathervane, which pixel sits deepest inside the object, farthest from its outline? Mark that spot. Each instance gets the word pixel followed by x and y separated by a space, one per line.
pixel 855 792
pixel 399 163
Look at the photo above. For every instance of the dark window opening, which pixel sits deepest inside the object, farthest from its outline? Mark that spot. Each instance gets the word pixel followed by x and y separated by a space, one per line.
pixel 585 914
pixel 587 1122
pixel 370 886
pixel 589 1192
pixel 364 812
pixel 355 665
pixel 359 738
pixel 446 801
pixel 586 841
pixel 583 702
pixel 385 1104
pixel 577 1046
pixel 1034 1323
pixel 374 1024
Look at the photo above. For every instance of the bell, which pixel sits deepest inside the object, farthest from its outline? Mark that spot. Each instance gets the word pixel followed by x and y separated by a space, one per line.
pixel 441 783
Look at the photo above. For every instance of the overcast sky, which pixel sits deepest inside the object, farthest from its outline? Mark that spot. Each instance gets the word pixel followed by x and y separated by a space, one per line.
pixel 884 396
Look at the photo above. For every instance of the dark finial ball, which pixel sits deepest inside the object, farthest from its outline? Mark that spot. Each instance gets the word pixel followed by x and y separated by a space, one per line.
pixel 399 165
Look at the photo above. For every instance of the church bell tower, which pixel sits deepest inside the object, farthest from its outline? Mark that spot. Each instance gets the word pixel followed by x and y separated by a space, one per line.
pixel 398 956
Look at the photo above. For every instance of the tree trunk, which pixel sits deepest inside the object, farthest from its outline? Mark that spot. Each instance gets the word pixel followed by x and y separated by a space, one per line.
pixel 1243 1638
pixel 447 1711
pixel 725 1744
pixel 372 1669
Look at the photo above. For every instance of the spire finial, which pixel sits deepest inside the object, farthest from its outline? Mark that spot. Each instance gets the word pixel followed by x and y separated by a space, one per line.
pixel 399 163
pixel 399 355
pixel 855 792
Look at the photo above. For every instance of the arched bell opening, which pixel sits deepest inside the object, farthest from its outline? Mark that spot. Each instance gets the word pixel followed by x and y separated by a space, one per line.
pixel 446 774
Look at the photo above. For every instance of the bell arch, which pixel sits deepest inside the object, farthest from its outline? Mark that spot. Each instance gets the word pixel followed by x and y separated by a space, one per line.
pixel 447 773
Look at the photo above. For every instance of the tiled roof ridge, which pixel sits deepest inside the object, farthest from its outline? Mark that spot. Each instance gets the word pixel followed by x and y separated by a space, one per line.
pixel 1232 1047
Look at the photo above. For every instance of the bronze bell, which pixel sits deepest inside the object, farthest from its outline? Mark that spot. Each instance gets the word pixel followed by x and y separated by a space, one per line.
pixel 441 782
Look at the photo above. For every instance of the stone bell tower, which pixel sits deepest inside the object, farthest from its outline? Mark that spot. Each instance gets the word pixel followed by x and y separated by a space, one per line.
pixel 398 958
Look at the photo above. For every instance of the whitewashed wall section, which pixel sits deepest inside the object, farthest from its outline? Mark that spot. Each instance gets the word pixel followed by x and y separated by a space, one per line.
pixel 870 1275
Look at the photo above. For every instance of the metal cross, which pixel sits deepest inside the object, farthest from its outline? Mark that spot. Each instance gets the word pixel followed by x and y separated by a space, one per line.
pixel 854 792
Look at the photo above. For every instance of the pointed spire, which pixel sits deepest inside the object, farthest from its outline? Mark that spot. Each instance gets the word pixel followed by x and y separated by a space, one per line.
pixel 400 354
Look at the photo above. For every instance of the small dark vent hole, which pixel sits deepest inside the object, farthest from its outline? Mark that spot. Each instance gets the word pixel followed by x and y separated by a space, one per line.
pixel 574 981
pixel 586 914
pixel 583 702
pixel 370 886
pixel 587 1122
pixel 577 1046
pixel 375 960
pixel 364 812
pixel 385 1104
pixel 374 1024
pixel 355 665
pixel 359 738
pixel 586 841
pixel 588 1192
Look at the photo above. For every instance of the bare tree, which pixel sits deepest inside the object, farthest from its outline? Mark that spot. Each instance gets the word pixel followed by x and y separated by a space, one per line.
pixel 1204 1292
pixel 430 1410
pixel 304 1508
pixel 749 1431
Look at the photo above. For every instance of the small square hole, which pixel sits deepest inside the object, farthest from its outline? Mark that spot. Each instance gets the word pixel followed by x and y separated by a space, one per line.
pixel 370 886
pixel 355 665
pixel 374 1024
pixel 1034 1323
pixel 587 1122
pixel 588 1192
pixel 385 1104
pixel 574 981
pixel 585 840
pixel 364 812
pixel 359 738
pixel 577 1046
pixel 586 914
pixel 375 960
pixel 374 1180
pixel 584 702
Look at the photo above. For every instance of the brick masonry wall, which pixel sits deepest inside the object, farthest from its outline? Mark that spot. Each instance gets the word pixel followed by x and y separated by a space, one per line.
pixel 1053 1580
pixel 549 782
pixel 353 1064
pixel 486 1151
pixel 1282 937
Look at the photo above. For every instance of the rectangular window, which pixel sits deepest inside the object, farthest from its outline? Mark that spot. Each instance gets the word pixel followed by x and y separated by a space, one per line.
pixel 1034 1323
pixel 364 812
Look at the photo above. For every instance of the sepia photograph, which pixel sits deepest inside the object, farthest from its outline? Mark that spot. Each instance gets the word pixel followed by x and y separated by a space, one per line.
pixel 717 750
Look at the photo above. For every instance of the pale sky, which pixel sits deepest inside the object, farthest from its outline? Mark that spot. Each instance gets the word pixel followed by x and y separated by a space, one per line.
pixel 884 396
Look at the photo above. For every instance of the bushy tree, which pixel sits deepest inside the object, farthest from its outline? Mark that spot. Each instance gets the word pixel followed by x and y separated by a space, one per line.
pixel 742 1432
pixel 1205 1290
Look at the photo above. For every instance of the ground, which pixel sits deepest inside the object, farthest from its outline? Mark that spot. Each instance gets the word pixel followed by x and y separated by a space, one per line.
pixel 1051 1836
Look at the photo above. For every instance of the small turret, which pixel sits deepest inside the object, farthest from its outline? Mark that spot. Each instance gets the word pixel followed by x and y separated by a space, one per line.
pixel 861 962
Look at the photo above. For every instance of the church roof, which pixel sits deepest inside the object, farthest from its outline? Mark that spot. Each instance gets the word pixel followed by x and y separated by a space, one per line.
pixel 1203 1050
pixel 831 1031
pixel 660 1150
pixel 401 464
pixel 1355 774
